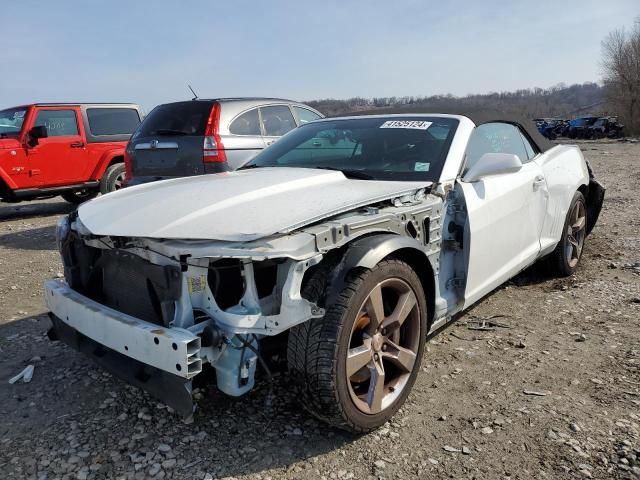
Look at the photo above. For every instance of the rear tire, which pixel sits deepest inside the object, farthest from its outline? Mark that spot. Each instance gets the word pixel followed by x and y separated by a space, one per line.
pixel 79 196
pixel 355 367
pixel 112 178
pixel 563 261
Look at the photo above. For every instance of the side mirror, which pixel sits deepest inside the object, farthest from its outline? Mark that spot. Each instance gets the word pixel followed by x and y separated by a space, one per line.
pixel 36 133
pixel 492 164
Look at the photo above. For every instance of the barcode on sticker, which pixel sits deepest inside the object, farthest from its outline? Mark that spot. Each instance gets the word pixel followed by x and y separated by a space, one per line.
pixel 197 284
pixel 415 124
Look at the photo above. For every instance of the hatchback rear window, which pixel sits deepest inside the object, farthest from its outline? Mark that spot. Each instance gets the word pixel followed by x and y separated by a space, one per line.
pixel 182 118
pixel 112 121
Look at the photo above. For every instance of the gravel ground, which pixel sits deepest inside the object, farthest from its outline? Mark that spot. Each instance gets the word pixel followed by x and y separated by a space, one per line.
pixel 552 392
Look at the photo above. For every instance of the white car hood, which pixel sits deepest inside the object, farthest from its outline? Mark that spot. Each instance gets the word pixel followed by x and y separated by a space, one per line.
pixel 237 206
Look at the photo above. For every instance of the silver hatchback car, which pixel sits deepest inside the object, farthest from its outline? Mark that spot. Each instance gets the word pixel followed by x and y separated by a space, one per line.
pixel 208 136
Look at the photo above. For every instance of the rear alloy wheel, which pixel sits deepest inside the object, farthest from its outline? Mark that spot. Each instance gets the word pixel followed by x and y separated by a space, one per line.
pixel 113 178
pixel 565 258
pixel 355 366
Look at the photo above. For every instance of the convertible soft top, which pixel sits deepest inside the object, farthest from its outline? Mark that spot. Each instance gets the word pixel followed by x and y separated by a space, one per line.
pixel 477 116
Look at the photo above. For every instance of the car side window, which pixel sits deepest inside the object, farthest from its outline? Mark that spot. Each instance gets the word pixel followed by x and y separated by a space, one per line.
pixel 305 115
pixel 277 120
pixel 528 147
pixel 246 124
pixel 59 123
pixel 112 121
pixel 496 137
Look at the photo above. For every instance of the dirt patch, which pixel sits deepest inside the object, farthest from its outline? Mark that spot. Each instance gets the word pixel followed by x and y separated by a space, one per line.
pixel 548 388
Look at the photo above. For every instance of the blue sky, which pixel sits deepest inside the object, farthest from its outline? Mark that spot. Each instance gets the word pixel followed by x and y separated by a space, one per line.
pixel 147 52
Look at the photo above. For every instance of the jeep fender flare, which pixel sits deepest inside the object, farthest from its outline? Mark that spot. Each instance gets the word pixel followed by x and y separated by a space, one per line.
pixel 367 252
pixel 105 160
pixel 7 186
pixel 6 180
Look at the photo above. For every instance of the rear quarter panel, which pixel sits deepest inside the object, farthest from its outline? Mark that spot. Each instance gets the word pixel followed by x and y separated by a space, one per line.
pixel 565 171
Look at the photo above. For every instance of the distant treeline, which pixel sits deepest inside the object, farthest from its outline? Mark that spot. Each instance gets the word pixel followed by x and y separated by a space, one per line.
pixel 559 101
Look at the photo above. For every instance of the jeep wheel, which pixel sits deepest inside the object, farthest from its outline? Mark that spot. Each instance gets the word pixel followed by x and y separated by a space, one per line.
pixel 355 366
pixel 112 178
pixel 79 196
pixel 564 259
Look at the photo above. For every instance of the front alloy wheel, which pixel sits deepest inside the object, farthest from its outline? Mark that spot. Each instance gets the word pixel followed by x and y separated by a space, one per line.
pixel 355 366
pixel 383 346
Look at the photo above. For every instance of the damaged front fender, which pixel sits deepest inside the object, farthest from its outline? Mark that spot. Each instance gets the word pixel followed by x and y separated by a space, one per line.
pixel 595 199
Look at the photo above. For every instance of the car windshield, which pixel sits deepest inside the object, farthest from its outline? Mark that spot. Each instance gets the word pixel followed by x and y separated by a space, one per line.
pixel 379 148
pixel 11 121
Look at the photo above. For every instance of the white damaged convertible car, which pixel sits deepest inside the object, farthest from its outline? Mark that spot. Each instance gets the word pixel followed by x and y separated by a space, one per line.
pixel 349 240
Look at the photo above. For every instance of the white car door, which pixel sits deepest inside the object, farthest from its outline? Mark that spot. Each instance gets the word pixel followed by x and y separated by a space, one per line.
pixel 505 212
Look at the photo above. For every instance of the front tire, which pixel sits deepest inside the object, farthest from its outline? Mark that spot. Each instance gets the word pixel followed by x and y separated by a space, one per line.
pixel 355 366
pixel 566 256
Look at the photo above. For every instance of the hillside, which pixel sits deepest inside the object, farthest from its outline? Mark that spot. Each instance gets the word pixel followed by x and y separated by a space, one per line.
pixel 558 101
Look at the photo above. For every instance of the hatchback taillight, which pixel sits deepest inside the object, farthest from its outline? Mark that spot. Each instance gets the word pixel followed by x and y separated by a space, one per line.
pixel 128 167
pixel 213 149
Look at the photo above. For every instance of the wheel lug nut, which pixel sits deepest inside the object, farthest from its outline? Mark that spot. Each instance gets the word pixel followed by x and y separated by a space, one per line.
pixel 375 357
pixel 384 331
pixel 384 348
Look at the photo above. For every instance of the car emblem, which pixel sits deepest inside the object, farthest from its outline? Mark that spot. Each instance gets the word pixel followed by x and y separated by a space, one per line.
pixel 153 144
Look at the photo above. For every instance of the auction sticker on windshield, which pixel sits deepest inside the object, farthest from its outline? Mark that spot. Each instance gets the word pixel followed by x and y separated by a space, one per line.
pixel 415 124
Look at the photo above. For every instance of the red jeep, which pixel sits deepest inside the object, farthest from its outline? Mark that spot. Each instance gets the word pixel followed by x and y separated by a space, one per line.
pixel 75 150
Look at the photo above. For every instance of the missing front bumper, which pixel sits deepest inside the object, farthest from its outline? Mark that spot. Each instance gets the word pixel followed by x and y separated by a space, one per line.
pixel 170 389
pixel 160 360
pixel 173 350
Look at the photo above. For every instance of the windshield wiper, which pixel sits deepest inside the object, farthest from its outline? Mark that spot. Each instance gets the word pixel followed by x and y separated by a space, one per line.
pixel 247 167
pixel 355 174
pixel 168 131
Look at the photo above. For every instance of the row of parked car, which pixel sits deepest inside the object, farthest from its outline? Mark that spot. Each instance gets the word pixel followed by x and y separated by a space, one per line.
pixel 79 150
pixel 581 127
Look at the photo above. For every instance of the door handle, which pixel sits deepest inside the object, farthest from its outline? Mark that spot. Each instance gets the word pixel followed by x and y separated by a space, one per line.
pixel 538 182
pixel 76 145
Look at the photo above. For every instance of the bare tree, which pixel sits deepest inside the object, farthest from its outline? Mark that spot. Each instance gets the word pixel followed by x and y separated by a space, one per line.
pixel 621 65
